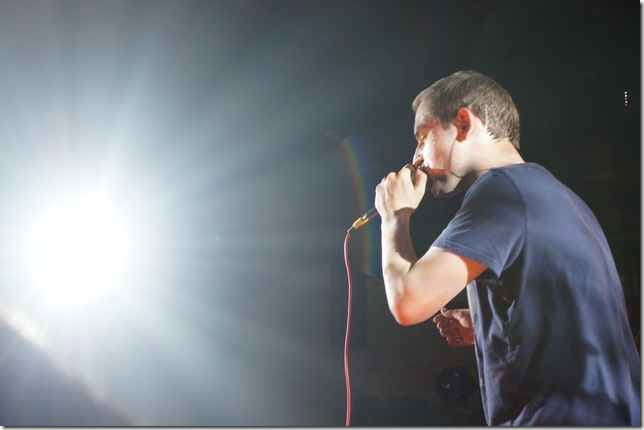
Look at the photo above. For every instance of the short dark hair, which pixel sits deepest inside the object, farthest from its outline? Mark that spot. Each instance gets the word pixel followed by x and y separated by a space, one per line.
pixel 485 97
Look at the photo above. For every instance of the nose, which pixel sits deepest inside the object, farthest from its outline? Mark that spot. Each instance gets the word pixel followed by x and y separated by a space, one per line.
pixel 417 161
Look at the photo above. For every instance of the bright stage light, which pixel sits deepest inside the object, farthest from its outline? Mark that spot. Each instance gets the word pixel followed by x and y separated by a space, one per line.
pixel 77 250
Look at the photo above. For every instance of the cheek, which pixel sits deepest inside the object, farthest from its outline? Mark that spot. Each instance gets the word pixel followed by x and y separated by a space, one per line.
pixel 442 143
pixel 433 150
pixel 429 154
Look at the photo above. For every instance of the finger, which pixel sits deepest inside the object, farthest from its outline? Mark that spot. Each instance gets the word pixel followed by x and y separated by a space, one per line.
pixel 450 313
pixel 454 340
pixel 407 172
pixel 386 178
pixel 449 332
pixel 389 182
pixel 462 316
pixel 449 324
pixel 444 331
pixel 378 192
pixel 406 168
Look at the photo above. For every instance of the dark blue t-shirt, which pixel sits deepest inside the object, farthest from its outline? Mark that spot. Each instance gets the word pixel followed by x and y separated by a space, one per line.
pixel 552 339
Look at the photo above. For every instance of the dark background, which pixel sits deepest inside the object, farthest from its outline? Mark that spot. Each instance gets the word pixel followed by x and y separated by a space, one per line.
pixel 227 124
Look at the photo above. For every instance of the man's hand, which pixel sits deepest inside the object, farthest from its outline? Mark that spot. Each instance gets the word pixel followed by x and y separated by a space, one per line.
pixel 455 326
pixel 397 191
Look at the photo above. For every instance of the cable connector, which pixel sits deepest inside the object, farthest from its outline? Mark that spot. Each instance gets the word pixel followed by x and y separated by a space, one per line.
pixel 359 222
pixel 364 219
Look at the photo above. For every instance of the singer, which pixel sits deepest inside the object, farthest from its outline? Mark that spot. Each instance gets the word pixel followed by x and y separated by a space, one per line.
pixel 547 314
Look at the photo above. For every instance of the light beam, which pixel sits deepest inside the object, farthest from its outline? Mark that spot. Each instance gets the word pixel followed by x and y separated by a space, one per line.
pixel 77 250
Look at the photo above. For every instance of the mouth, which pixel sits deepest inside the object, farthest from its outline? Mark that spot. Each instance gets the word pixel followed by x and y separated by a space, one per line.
pixel 435 173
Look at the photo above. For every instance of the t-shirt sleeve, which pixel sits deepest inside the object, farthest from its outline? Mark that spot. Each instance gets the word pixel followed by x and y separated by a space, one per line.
pixel 489 227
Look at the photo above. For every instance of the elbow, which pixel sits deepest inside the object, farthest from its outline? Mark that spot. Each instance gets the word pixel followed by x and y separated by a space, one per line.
pixel 410 311
pixel 398 300
pixel 405 306
pixel 404 322
pixel 403 315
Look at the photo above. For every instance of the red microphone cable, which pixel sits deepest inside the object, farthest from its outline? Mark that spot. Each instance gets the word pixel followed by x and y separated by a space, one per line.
pixel 357 224
pixel 347 376
pixel 364 219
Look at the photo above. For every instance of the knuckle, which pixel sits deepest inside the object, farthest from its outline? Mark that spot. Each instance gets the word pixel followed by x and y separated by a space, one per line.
pixel 456 340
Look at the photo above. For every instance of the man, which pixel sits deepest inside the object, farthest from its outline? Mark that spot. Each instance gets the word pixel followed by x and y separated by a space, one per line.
pixel 550 329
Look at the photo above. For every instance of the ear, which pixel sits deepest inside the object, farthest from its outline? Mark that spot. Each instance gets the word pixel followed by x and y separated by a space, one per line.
pixel 463 123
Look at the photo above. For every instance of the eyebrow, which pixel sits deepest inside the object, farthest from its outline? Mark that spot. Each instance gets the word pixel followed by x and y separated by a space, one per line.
pixel 424 126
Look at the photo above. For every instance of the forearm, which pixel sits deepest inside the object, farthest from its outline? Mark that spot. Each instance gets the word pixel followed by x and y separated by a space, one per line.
pixel 398 256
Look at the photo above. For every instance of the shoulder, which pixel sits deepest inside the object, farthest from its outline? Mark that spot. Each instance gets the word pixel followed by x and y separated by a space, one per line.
pixel 496 186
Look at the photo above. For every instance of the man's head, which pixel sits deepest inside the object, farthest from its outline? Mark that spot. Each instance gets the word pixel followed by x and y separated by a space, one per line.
pixel 458 120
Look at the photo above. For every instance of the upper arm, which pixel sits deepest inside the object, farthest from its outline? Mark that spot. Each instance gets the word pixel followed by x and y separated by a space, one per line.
pixel 487 232
pixel 435 279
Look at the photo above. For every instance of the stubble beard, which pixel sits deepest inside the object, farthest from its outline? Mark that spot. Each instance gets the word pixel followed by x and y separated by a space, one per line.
pixel 437 185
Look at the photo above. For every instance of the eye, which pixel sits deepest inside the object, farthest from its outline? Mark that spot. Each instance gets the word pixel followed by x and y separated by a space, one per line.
pixel 420 137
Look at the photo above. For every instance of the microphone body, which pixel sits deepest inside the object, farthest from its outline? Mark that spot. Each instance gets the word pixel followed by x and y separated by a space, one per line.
pixel 364 219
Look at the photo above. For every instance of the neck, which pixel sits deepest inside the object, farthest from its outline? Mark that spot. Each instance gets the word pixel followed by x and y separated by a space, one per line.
pixel 497 153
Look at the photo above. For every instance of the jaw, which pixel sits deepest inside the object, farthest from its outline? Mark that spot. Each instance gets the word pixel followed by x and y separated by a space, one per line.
pixel 448 186
pixel 441 185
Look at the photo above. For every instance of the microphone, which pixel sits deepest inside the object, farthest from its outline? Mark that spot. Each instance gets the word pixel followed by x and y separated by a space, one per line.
pixel 372 213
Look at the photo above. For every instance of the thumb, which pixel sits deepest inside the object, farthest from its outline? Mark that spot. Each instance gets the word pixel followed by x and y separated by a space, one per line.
pixel 457 314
